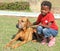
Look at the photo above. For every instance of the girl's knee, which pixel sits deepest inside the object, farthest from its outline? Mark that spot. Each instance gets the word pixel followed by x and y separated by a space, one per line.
pixel 39 27
pixel 45 30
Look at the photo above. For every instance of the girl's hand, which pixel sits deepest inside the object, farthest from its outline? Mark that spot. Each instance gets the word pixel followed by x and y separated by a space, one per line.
pixel 40 24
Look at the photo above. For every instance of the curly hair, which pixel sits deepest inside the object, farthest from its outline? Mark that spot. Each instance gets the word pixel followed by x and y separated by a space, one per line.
pixel 46 3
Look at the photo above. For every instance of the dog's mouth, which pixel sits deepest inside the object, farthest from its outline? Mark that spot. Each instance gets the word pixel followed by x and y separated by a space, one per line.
pixel 19 26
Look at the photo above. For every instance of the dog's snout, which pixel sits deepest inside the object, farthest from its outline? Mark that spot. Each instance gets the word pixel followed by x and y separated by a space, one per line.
pixel 19 26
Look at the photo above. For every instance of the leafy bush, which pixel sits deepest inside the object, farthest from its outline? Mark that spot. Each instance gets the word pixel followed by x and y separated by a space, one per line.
pixel 15 6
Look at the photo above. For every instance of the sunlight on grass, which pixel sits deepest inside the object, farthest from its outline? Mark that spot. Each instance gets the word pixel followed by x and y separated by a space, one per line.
pixel 8 29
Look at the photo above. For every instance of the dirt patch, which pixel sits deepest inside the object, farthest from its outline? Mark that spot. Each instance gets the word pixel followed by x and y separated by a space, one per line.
pixel 56 10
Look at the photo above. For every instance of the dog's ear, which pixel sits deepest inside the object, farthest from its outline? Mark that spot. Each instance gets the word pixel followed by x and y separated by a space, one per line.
pixel 28 23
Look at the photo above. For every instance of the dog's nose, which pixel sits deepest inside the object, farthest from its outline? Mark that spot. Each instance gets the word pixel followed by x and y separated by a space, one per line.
pixel 17 26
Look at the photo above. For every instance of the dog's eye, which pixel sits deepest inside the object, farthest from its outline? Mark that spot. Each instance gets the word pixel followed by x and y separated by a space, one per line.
pixel 22 21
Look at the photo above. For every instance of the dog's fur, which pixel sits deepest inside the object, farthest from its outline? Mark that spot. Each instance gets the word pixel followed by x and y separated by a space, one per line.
pixel 25 32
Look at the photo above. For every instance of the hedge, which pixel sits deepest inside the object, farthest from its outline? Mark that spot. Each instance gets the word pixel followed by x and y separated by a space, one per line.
pixel 15 6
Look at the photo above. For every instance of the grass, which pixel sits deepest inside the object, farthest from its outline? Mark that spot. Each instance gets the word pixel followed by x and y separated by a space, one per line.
pixel 8 29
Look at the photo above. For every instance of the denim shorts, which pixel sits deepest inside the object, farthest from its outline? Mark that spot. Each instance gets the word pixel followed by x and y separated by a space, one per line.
pixel 47 31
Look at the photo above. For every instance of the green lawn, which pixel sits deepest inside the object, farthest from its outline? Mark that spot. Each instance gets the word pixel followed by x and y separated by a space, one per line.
pixel 8 29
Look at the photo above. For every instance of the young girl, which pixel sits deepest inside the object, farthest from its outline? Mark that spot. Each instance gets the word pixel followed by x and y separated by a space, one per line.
pixel 46 24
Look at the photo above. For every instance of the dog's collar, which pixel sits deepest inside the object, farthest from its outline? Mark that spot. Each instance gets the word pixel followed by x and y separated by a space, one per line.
pixel 33 26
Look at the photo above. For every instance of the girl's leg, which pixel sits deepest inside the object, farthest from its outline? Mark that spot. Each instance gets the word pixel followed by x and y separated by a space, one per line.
pixel 39 30
pixel 51 41
pixel 50 33
pixel 40 33
pixel 44 41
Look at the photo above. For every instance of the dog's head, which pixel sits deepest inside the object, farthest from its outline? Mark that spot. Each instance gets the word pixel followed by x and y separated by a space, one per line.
pixel 23 22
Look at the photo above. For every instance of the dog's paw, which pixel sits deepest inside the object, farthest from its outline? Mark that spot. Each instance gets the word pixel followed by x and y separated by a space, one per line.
pixel 13 47
pixel 7 45
pixel 34 40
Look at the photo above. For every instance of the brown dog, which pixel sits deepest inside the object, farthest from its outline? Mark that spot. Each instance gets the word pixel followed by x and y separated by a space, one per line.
pixel 25 32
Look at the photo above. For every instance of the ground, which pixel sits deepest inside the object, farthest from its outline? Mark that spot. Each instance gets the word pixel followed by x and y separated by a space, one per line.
pixel 8 29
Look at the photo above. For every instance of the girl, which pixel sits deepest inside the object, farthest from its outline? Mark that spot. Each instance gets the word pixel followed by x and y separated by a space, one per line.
pixel 46 24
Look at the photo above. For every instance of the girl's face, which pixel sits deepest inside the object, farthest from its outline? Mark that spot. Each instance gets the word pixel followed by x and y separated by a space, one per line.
pixel 44 10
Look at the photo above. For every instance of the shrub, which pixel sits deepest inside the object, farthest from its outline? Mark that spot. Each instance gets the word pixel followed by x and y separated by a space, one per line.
pixel 15 6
